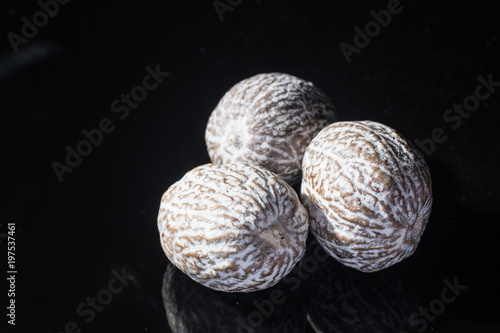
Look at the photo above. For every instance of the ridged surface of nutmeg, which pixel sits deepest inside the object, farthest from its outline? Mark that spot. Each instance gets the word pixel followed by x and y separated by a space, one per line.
pixel 233 228
pixel 268 120
pixel 368 193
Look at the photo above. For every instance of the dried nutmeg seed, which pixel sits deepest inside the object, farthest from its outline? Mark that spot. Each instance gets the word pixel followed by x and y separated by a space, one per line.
pixel 268 120
pixel 234 228
pixel 368 193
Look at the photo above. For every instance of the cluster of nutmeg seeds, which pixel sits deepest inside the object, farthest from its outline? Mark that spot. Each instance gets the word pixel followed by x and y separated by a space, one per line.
pixel 237 225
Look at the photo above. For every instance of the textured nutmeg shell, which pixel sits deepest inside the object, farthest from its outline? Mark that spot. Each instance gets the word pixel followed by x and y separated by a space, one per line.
pixel 268 120
pixel 368 193
pixel 234 228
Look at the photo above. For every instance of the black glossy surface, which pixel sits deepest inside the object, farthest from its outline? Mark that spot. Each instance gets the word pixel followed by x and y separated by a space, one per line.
pixel 74 237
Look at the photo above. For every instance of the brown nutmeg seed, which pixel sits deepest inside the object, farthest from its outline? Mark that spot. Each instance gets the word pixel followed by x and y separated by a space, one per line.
pixel 234 228
pixel 268 120
pixel 368 193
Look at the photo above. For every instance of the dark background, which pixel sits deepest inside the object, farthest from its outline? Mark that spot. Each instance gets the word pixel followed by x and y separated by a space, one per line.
pixel 72 234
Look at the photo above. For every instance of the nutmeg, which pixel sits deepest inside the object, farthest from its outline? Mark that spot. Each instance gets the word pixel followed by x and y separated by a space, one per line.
pixel 368 193
pixel 268 120
pixel 234 228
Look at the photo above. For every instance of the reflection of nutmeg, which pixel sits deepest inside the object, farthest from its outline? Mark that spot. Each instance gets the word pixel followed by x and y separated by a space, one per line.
pixel 368 193
pixel 343 300
pixel 268 120
pixel 192 308
pixel 234 227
